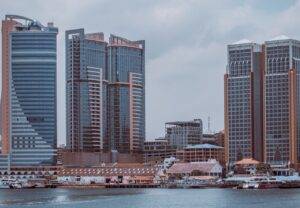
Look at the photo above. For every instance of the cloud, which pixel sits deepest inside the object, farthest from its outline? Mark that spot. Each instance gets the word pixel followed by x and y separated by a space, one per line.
pixel 185 45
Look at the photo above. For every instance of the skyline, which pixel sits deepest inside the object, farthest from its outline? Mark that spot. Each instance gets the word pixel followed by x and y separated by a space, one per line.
pixel 172 62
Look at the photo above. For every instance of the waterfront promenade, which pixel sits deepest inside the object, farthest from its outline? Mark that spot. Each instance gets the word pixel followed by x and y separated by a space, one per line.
pixel 150 198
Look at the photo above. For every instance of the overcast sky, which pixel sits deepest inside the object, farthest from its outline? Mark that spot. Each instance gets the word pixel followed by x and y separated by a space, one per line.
pixel 185 45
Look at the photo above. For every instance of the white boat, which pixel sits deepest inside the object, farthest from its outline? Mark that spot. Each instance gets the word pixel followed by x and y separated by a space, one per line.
pixel 250 185
pixel 26 184
pixel 15 185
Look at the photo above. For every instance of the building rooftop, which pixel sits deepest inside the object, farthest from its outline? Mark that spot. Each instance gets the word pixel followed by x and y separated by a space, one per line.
pixel 280 37
pixel 247 161
pixel 243 41
pixel 120 41
pixel 181 168
pixel 109 171
pixel 95 36
pixel 203 146
pixel 28 24
pixel 183 123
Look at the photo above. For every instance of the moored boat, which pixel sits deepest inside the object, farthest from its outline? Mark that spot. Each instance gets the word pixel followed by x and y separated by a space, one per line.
pixel 15 185
pixel 290 184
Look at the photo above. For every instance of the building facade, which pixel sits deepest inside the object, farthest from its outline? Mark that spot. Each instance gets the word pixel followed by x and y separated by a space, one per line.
pixel 31 106
pixel 159 149
pixel 281 83
pixel 86 91
pixel 183 133
pixel 4 162
pixel 262 101
pixel 243 101
pixel 7 27
pixel 126 67
pixel 211 168
pixel 214 138
pixel 105 88
pixel 201 152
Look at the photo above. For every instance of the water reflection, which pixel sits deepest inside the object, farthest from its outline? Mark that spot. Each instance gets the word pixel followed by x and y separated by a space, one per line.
pixel 150 198
pixel 34 196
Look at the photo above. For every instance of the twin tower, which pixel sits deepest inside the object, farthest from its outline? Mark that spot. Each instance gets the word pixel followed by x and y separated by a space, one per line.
pixel 105 91
pixel 262 101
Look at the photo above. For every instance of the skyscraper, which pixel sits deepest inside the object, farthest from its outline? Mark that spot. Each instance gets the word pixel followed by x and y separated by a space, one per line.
pixel 269 96
pixel 105 84
pixel 243 101
pixel 29 110
pixel 126 67
pixel 282 100
pixel 86 91
pixel 7 26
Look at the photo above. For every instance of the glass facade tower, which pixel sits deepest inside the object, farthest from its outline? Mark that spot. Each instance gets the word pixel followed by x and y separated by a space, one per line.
pixel 126 66
pixel 32 93
pixel 86 90
pixel 105 93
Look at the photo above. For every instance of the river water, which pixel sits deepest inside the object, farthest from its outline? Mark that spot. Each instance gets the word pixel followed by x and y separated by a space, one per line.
pixel 150 198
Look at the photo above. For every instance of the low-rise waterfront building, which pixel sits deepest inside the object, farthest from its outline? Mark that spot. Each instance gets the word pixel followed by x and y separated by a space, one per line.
pixel 159 149
pixel 252 167
pixel 126 173
pixel 246 166
pixel 90 159
pixel 27 173
pixel 201 152
pixel 207 168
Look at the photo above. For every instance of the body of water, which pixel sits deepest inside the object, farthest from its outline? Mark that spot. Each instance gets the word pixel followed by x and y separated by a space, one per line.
pixel 150 198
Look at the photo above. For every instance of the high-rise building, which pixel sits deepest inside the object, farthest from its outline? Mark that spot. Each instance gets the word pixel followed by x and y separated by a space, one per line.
pixel 29 91
pixel 243 101
pixel 282 101
pixel 7 26
pixel 105 84
pixel 126 67
pixel 183 133
pixel 86 91
pixel 262 101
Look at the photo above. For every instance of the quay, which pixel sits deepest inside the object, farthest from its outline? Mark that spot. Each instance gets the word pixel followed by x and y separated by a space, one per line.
pixel 111 186
pixel 132 186
pixel 172 173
